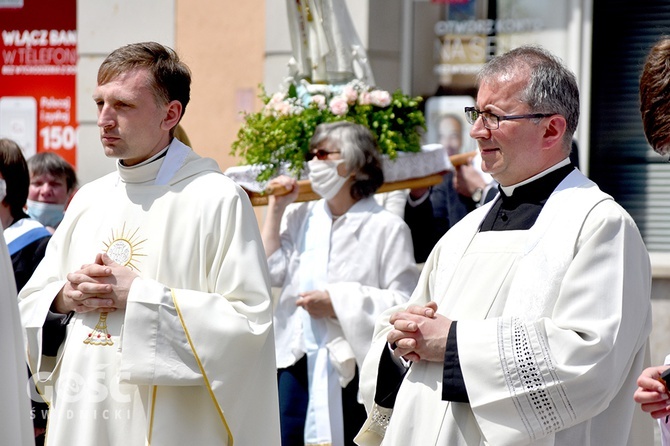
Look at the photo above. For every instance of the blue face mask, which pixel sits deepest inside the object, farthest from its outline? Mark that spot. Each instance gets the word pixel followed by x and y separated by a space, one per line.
pixel 3 189
pixel 49 214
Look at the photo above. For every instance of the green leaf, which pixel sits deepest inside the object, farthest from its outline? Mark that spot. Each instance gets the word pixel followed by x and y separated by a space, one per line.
pixel 276 136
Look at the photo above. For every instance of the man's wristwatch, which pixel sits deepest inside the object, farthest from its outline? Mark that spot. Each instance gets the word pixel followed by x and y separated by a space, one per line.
pixel 477 195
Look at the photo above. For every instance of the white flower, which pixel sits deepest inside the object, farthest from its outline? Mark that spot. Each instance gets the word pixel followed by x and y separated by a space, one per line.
pixel 277 98
pixel 283 108
pixel 380 98
pixel 319 100
pixel 339 106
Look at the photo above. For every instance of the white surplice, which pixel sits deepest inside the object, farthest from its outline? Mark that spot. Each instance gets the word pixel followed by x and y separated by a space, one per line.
pixel 15 424
pixel 553 324
pixel 365 262
pixel 191 359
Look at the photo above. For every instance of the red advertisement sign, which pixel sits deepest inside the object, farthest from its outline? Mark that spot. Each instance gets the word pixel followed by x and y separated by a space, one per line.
pixel 38 65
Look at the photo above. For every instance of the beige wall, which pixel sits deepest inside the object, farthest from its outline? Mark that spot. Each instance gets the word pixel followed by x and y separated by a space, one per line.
pixel 223 44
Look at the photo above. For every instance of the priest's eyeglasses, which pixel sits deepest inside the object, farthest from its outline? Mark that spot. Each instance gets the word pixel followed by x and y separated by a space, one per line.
pixel 319 154
pixel 492 121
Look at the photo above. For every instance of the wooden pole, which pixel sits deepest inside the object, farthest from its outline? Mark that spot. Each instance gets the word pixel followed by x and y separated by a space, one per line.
pixel 305 192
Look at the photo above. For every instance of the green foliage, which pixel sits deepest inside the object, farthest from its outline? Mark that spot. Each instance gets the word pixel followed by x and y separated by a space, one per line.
pixel 280 132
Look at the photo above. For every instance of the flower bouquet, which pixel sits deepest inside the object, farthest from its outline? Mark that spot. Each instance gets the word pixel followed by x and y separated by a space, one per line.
pixel 277 137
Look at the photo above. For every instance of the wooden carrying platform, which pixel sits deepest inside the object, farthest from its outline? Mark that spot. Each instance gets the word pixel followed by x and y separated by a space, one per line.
pixel 307 194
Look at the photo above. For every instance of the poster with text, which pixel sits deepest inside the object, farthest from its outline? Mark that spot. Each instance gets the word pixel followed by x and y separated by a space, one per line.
pixel 38 65
pixel 446 124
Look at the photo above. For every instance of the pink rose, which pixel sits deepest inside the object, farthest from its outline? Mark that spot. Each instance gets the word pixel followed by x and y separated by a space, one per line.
pixel 365 98
pixel 339 106
pixel 380 98
pixel 350 94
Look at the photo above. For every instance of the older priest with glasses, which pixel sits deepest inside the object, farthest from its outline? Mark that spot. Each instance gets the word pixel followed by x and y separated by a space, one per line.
pixel 531 319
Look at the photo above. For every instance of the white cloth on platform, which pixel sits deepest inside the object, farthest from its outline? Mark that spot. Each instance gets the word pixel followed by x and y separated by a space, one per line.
pixel 191 359
pixel 552 331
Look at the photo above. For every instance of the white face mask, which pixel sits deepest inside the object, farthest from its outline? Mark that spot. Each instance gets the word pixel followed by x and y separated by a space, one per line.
pixel 324 177
pixel 49 214
pixel 3 189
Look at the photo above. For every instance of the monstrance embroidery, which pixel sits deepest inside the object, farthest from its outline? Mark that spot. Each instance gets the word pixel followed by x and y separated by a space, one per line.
pixel 124 249
pixel 99 335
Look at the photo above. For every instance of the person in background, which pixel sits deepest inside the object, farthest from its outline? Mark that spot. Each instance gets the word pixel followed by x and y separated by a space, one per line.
pixel 531 319
pixel 652 392
pixel 340 261
pixel 158 273
pixel 53 182
pixel 430 212
pixel 26 237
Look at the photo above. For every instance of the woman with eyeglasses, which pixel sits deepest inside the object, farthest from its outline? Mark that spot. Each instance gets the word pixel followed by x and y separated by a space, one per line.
pixel 340 261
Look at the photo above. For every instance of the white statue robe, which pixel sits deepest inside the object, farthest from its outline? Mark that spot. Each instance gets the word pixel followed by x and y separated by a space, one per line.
pixel 15 423
pixel 191 359
pixel 552 332
pixel 326 47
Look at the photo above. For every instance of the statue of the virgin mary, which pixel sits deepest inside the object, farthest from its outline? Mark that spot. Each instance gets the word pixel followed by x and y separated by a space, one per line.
pixel 326 48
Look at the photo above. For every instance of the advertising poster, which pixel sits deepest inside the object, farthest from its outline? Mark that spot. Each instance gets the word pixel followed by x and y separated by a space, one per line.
pixel 445 122
pixel 38 65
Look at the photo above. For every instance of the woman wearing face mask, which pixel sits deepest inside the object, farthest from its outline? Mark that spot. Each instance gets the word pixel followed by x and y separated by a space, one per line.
pixel 339 261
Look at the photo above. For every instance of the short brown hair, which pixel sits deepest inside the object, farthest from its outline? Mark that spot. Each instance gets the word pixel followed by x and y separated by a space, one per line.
pixel 170 77
pixel 655 96
pixel 551 87
pixel 52 164
pixel 14 170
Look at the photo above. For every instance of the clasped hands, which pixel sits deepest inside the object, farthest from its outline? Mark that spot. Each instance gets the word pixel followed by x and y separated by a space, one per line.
pixel 419 333
pixel 101 286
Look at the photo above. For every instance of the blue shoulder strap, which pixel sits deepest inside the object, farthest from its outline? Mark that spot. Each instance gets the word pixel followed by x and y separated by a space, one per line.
pixel 26 239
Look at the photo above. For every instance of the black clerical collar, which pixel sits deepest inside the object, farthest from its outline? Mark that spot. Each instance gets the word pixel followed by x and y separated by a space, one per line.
pixel 520 210
pixel 156 157
pixel 539 189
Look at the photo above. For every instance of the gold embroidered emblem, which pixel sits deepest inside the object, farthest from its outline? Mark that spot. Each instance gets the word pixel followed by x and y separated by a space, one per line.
pixel 99 335
pixel 123 248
